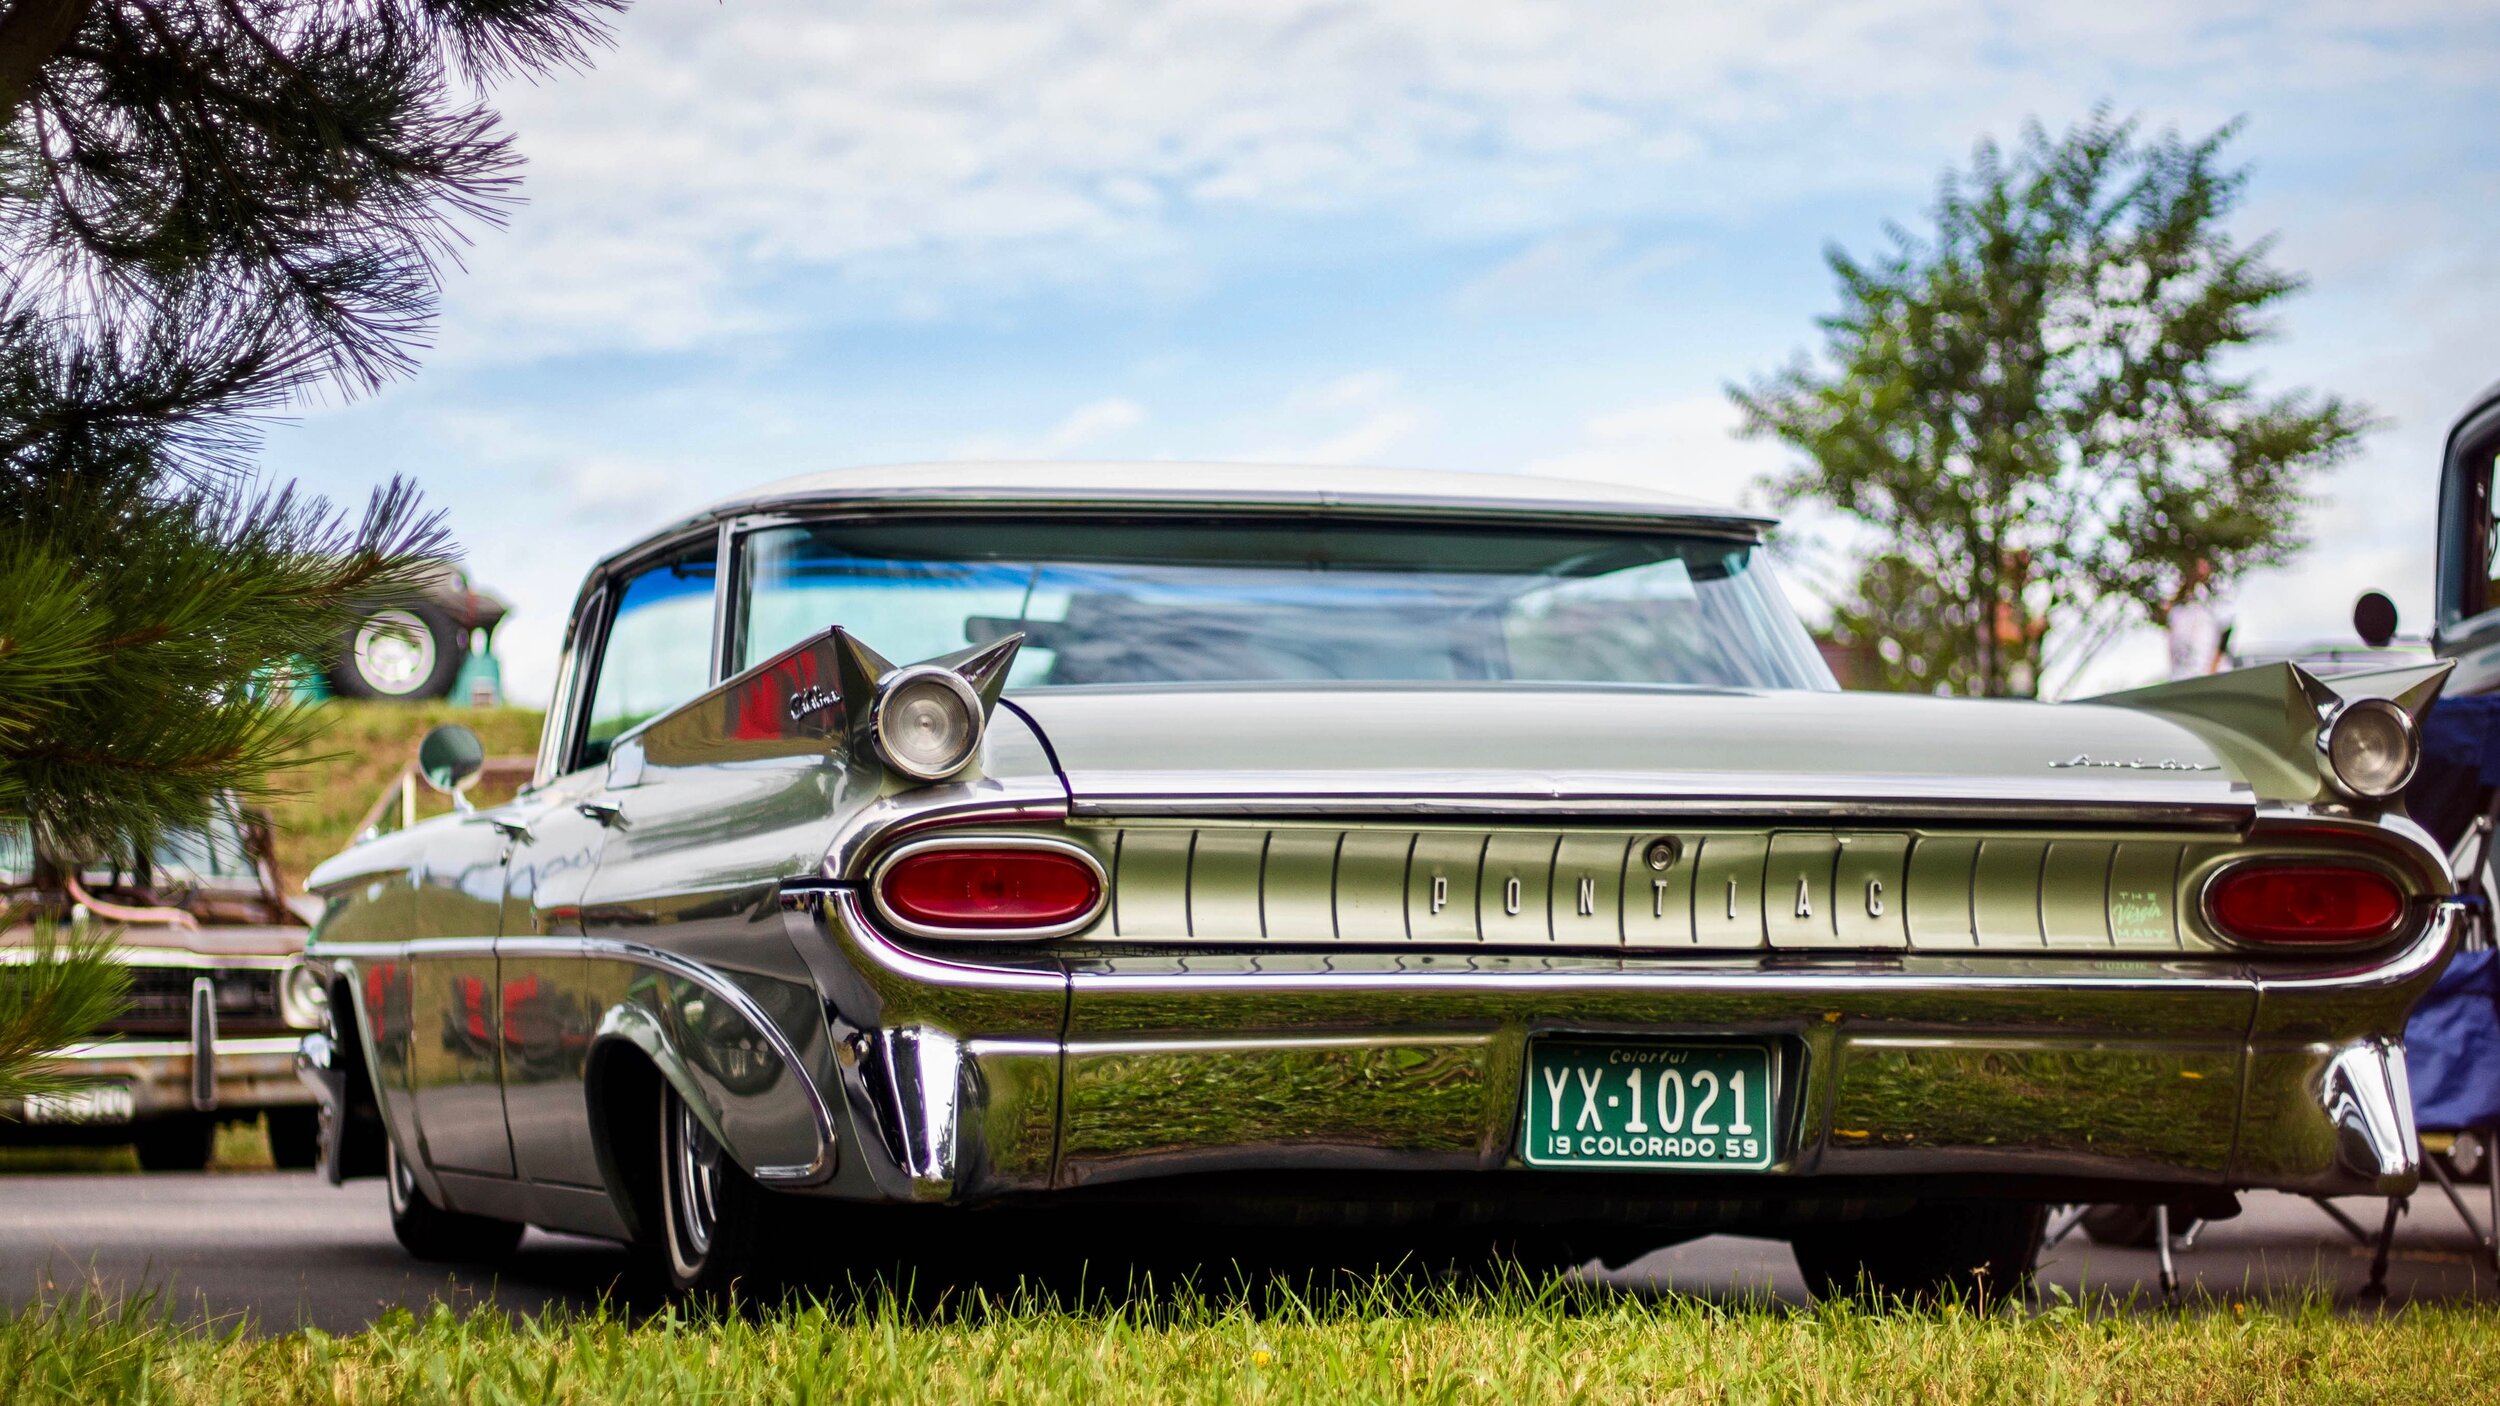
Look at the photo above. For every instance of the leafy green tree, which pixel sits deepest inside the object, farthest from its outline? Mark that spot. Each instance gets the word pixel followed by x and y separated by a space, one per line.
pixel 209 208
pixel 2038 411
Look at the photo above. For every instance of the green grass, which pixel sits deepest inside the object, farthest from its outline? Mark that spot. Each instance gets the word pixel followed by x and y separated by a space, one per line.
pixel 361 747
pixel 1388 1342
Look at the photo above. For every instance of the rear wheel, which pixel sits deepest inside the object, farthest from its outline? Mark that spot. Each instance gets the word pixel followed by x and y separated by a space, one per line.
pixel 711 1211
pixel 178 1144
pixel 429 1232
pixel 1975 1251
pixel 295 1137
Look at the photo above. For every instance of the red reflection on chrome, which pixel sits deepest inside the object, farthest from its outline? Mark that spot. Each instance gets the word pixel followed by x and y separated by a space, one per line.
pixel 2305 903
pixel 991 890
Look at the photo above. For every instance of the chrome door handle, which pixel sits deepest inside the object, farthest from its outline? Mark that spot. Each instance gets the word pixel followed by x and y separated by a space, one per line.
pixel 607 813
pixel 513 830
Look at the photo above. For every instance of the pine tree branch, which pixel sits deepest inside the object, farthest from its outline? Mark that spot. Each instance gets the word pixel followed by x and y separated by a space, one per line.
pixel 31 33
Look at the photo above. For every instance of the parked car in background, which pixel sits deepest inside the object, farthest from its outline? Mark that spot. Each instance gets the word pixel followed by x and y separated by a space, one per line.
pixel 419 650
pixel 219 996
pixel 1439 857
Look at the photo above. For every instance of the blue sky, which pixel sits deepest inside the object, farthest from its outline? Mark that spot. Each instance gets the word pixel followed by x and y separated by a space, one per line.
pixel 765 236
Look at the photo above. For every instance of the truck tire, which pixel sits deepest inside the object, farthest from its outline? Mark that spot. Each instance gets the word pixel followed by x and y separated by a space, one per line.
pixel 407 654
pixel 429 1232
pixel 1975 1252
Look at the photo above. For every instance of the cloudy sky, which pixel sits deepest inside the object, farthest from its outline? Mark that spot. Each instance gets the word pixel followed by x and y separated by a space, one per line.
pixel 764 236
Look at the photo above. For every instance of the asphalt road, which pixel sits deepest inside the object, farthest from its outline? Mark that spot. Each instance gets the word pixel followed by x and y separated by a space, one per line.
pixel 285 1250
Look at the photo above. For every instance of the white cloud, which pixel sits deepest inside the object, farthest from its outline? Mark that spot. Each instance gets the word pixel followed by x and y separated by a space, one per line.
pixel 920 160
pixel 1569 272
pixel 1686 445
pixel 1361 417
pixel 1082 428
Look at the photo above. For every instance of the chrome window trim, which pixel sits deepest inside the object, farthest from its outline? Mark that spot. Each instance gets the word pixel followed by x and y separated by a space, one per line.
pixel 892 857
pixel 1698 520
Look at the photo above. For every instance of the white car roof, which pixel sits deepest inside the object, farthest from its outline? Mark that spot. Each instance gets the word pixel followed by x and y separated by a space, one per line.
pixel 1180 484
pixel 1151 481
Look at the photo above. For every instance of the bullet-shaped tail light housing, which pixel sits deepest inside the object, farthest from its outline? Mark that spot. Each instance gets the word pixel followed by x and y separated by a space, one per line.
pixel 2314 903
pixel 989 887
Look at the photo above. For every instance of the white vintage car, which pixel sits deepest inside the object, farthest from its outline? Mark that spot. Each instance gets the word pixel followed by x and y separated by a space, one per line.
pixel 1433 856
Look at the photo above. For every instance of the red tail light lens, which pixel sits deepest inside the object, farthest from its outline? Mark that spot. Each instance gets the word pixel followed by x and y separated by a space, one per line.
pixel 2297 903
pixel 1012 892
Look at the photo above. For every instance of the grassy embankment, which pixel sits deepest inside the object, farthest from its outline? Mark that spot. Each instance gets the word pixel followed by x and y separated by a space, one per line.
pixel 1385 1343
pixel 364 746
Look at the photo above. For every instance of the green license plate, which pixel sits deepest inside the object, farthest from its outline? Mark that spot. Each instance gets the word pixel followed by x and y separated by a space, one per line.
pixel 1614 1103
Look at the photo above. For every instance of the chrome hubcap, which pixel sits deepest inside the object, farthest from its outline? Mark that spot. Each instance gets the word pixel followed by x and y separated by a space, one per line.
pixel 693 1177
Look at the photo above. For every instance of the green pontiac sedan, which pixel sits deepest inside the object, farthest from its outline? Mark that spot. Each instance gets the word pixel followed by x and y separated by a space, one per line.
pixel 1426 855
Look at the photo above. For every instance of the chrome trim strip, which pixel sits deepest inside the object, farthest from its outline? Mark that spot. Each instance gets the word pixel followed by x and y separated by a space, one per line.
pixel 239 1047
pixel 729 991
pixel 1277 1044
pixel 887 820
pixel 896 855
pixel 181 957
pixel 674 965
pixel 753 508
pixel 2126 801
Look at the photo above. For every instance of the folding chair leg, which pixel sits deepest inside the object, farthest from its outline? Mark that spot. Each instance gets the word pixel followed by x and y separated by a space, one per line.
pixel 2482 1239
pixel 2491 1171
pixel 2064 1223
pixel 2336 1213
pixel 2376 1289
pixel 2169 1267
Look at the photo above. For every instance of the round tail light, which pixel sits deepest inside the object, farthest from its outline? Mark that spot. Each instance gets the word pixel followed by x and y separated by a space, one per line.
pixel 2304 903
pixel 992 890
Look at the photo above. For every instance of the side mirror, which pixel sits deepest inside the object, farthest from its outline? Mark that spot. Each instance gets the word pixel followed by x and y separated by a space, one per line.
pixel 450 758
pixel 2374 619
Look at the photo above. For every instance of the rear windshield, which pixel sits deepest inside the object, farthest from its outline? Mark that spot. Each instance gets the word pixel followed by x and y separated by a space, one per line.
pixel 1205 600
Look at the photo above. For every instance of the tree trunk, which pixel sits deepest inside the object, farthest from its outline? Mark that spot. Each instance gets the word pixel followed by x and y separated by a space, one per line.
pixel 31 32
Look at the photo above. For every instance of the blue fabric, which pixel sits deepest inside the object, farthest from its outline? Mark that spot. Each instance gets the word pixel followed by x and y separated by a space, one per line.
pixel 2452 1047
pixel 2460 765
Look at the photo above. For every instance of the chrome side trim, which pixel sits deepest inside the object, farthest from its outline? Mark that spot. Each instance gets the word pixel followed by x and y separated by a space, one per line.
pixel 935 843
pixel 2123 800
pixel 712 982
pixel 738 1000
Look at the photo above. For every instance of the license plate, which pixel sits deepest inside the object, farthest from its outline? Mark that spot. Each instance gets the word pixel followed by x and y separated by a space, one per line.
pixel 1703 1107
pixel 96 1103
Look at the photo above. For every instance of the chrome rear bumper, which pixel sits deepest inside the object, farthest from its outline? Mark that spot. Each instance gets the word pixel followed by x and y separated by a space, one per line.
pixel 971 1080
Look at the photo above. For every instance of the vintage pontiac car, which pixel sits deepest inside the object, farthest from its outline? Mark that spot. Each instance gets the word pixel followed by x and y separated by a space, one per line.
pixel 1424 854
